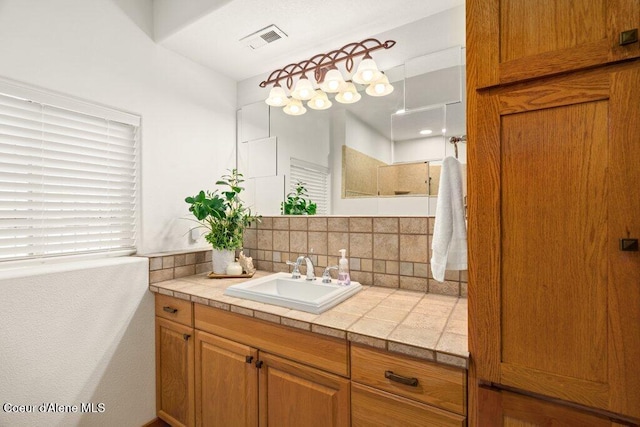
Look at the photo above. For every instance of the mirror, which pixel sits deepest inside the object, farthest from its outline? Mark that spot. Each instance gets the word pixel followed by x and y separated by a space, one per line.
pixel 381 155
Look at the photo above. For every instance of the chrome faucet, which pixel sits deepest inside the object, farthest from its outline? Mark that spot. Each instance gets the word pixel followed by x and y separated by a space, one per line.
pixel 326 276
pixel 295 274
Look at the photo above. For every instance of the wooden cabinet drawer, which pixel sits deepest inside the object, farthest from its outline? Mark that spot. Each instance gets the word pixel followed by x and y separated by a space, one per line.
pixel 374 407
pixel 434 384
pixel 175 309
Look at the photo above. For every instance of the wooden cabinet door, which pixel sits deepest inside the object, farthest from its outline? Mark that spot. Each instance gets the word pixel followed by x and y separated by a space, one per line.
pixel 554 302
pixel 296 395
pixel 226 382
pixel 501 408
pixel 514 40
pixel 174 373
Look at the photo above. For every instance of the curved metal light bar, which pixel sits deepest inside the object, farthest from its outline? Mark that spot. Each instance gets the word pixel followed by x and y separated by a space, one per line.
pixel 320 64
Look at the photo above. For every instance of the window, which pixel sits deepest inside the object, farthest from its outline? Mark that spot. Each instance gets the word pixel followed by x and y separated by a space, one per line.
pixel 316 181
pixel 68 176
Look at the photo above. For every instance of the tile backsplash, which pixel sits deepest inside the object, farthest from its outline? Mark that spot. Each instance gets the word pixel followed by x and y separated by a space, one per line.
pixel 392 252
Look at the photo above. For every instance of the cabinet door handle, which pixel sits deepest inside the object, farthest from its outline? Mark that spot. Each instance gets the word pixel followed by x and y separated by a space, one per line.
pixel 186 337
pixel 259 364
pixel 248 359
pixel 413 382
pixel 170 309
pixel 628 37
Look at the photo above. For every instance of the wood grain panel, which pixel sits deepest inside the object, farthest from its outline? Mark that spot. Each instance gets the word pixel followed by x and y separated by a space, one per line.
pixel 330 354
pixel 174 373
pixel 514 410
pixel 555 219
pixel 226 385
pixel 175 309
pixel 295 395
pixel 438 385
pixel 624 221
pixel 371 407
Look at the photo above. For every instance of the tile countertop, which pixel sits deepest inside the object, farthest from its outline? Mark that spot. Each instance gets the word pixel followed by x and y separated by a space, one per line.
pixel 428 326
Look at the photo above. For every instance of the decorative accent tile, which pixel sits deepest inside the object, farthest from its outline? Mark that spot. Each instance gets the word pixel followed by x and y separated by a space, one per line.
pixel 392 267
pixel 366 340
pixel 242 310
pixel 366 265
pixel 266 316
pixel 299 324
pixel 354 263
pixel 323 330
pixel 409 350
pixel 379 266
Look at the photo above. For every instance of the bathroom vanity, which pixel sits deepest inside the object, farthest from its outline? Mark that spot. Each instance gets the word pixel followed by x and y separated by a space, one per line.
pixel 222 360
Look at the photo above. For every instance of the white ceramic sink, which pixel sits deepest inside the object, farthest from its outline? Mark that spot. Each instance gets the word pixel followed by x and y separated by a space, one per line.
pixel 298 294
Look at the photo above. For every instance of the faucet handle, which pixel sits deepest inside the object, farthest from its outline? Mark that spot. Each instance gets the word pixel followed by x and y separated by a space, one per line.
pixel 326 276
pixel 295 274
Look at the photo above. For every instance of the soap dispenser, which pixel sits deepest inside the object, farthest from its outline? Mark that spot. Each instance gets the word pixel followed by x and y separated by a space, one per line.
pixel 343 269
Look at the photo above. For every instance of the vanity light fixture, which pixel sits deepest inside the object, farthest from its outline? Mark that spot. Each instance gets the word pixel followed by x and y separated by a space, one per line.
pixel 324 69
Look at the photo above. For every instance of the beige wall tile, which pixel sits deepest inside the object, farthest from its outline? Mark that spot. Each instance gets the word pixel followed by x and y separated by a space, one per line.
pixel 414 225
pixel 444 288
pixel 190 258
pixel 168 262
pixel 318 242
pixel 366 264
pixel 413 247
pixel 298 242
pixel 360 225
pixel 317 224
pixel 360 245
pixel 406 268
pixel 265 240
pixel 337 241
pixel 385 246
pixel 338 224
pixel 281 223
pixel 392 267
pixel 386 280
pixel 185 270
pixel 160 275
pixel 207 256
pixel 421 270
pixel 204 267
pixel 385 225
pixel 362 277
pixel 432 223
pixel 266 223
pixel 322 261
pixel 200 257
pixel 281 240
pixel 464 276
pixel 155 263
pixel 298 223
pixel 179 260
pixel 420 284
pixel 281 267
pixel 464 289
pixel 379 266
pixel 250 238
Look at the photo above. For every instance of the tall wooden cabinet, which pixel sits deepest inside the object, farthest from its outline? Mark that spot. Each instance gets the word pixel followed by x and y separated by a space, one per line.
pixel 554 167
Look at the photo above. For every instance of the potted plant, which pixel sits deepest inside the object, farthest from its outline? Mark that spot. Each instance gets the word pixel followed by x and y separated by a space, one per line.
pixel 225 217
pixel 297 203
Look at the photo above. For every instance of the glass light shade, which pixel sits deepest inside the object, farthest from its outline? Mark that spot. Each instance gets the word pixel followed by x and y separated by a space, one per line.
pixel 349 94
pixel 333 80
pixel 367 72
pixel 294 108
pixel 303 90
pixel 277 97
pixel 381 87
pixel 320 101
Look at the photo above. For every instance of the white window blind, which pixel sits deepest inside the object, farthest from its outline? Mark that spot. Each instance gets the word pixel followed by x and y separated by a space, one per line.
pixel 68 179
pixel 316 181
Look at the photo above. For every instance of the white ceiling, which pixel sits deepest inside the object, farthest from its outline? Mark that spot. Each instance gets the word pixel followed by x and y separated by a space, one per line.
pixel 212 36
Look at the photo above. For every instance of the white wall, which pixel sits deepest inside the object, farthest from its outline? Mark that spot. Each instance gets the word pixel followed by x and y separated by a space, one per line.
pixel 78 333
pixel 88 335
pixel 93 50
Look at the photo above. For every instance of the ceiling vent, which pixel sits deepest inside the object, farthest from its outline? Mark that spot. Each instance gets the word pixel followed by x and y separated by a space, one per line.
pixel 263 37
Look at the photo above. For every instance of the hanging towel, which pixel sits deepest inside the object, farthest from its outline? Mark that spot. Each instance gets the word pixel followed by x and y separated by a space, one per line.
pixel 449 245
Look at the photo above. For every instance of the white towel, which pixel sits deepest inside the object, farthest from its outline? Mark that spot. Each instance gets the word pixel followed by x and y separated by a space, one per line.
pixel 449 246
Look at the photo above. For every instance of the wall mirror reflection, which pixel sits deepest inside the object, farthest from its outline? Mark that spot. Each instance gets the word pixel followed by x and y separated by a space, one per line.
pixel 379 156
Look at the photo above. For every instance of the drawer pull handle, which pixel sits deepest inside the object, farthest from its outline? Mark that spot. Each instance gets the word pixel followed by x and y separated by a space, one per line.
pixel 413 382
pixel 170 309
